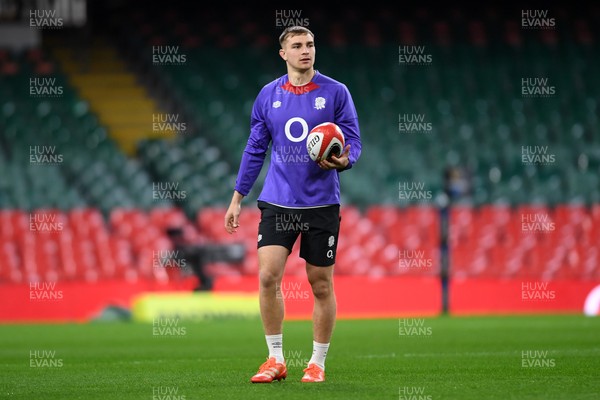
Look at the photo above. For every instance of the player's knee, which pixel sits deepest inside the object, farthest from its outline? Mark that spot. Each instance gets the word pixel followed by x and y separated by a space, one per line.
pixel 322 289
pixel 269 278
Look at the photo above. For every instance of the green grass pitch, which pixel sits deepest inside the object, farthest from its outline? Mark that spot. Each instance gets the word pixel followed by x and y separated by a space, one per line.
pixel 516 357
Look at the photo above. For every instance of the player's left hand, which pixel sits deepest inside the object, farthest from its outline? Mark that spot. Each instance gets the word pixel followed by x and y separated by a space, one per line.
pixel 334 162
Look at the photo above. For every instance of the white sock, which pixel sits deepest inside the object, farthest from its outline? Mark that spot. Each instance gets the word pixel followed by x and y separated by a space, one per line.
pixel 319 354
pixel 275 344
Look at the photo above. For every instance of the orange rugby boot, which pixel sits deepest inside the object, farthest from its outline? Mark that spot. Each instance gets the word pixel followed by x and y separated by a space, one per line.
pixel 269 371
pixel 313 373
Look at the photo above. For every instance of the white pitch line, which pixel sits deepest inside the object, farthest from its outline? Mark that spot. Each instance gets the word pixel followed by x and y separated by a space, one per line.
pixel 391 355
pixel 503 353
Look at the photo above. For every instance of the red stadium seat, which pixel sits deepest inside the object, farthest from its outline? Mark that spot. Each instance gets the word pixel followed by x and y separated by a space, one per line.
pixel 383 217
pixel 487 242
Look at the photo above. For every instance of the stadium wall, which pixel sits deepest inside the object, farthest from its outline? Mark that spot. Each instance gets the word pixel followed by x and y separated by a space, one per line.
pixel 358 297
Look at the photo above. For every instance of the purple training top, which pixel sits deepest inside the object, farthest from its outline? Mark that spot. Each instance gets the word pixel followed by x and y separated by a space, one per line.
pixel 283 115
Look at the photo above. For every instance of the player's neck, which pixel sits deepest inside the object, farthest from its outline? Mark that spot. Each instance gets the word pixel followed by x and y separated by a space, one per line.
pixel 300 78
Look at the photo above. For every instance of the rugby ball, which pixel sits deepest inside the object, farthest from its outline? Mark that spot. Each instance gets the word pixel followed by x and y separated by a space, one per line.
pixel 325 140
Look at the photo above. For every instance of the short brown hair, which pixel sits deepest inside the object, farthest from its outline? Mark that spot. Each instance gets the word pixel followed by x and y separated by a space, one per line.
pixel 294 31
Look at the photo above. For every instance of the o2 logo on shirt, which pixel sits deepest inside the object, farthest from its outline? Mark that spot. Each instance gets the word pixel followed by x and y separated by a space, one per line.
pixel 288 132
pixel 294 153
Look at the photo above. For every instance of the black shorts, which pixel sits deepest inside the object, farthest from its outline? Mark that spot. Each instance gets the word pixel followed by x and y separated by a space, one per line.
pixel 318 227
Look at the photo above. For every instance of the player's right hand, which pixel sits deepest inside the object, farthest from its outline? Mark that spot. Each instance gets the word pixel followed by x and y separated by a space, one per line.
pixel 232 217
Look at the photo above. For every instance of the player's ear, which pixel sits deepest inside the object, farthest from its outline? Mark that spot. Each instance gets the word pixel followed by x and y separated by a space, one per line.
pixel 282 54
